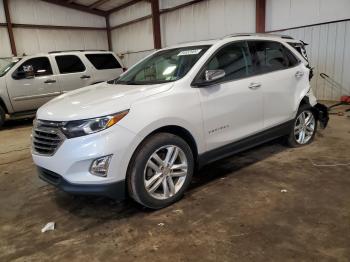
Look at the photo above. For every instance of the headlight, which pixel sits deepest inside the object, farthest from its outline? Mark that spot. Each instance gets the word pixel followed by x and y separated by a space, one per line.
pixel 93 125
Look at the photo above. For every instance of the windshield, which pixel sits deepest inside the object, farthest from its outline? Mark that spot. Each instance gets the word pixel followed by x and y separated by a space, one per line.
pixel 164 66
pixel 6 64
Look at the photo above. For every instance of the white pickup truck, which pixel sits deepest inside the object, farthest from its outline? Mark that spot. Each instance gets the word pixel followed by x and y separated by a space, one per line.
pixel 27 82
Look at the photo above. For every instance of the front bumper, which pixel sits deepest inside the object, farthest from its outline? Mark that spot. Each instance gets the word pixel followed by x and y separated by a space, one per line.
pixel 114 190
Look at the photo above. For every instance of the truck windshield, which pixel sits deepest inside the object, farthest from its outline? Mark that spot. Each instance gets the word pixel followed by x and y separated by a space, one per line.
pixel 163 66
pixel 6 64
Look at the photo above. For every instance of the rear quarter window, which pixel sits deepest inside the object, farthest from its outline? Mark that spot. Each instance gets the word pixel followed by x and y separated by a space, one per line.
pixel 103 61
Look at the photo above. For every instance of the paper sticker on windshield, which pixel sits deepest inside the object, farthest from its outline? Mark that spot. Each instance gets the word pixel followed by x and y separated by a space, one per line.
pixel 190 52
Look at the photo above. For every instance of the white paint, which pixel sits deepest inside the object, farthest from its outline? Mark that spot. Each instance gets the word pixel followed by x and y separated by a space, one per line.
pixel 5 47
pixel 32 41
pixel 133 38
pixel 43 13
pixel 130 13
pixel 329 52
pixel 2 12
pixel 207 20
pixel 282 14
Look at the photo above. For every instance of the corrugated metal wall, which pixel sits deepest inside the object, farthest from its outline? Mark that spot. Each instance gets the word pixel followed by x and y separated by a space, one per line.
pixel 133 41
pixel 193 23
pixel 5 48
pixel 31 41
pixel 329 52
pixel 329 44
pixel 206 20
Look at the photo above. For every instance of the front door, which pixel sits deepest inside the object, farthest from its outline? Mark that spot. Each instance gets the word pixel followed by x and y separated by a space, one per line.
pixel 233 107
pixel 31 84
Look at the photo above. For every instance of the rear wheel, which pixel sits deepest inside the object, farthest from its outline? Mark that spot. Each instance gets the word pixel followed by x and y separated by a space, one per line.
pixel 2 116
pixel 304 128
pixel 160 171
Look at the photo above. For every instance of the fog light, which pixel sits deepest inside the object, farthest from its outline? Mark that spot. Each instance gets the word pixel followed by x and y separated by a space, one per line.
pixel 99 166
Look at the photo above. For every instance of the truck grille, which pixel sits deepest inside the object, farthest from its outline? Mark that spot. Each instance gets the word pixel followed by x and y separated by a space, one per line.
pixel 47 137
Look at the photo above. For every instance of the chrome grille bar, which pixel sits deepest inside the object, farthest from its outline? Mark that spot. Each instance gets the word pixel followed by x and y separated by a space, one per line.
pixel 47 137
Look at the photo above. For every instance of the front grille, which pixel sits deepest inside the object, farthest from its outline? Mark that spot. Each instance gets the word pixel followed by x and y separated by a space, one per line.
pixel 47 137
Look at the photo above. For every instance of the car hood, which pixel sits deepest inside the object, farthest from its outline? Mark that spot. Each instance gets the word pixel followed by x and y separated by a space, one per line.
pixel 97 100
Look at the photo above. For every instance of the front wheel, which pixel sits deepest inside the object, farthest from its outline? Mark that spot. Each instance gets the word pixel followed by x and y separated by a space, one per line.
pixel 304 128
pixel 160 171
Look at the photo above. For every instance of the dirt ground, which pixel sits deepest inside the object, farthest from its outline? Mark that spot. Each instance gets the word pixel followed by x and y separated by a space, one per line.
pixel 234 210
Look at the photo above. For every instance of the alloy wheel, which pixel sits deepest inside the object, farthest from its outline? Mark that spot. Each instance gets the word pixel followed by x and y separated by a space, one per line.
pixel 304 127
pixel 165 172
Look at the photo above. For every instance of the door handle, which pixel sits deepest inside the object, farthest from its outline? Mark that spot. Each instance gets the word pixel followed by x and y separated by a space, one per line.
pixel 50 81
pixel 85 77
pixel 299 74
pixel 254 86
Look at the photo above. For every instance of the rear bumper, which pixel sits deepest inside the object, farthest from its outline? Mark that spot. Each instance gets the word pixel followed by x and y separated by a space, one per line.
pixel 322 114
pixel 114 190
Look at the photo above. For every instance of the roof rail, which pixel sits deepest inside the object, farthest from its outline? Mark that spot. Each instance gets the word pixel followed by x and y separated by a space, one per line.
pixel 259 34
pixel 67 51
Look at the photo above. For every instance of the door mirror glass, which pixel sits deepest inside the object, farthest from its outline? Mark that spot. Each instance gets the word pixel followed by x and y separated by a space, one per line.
pixel 213 75
pixel 210 77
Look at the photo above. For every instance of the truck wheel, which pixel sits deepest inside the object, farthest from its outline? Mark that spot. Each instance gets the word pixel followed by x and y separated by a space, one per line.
pixel 2 116
pixel 304 127
pixel 160 171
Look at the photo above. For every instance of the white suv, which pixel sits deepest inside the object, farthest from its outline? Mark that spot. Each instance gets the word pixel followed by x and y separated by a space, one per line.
pixel 180 108
pixel 28 82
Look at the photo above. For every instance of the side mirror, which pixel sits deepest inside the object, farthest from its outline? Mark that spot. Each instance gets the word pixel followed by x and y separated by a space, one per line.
pixel 211 76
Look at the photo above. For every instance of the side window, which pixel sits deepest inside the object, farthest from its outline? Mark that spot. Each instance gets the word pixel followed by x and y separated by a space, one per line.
pixel 291 59
pixel 69 64
pixel 103 61
pixel 34 67
pixel 234 59
pixel 270 56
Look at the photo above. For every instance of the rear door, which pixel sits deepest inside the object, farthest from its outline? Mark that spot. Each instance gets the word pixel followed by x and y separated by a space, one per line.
pixel 73 73
pixel 282 77
pixel 106 66
pixel 30 92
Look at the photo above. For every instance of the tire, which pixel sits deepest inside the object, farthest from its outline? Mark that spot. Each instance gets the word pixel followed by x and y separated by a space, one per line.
pixel 2 116
pixel 300 127
pixel 152 188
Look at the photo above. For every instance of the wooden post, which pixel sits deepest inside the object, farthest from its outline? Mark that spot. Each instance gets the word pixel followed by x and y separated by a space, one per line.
pixel 156 24
pixel 9 28
pixel 109 34
pixel 260 16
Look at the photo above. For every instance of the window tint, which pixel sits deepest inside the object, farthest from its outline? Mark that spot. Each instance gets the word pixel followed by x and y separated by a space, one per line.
pixel 271 56
pixel 69 64
pixel 234 59
pixel 39 66
pixel 103 61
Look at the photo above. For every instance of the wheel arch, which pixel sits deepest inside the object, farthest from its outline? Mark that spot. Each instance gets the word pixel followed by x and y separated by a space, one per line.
pixel 3 105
